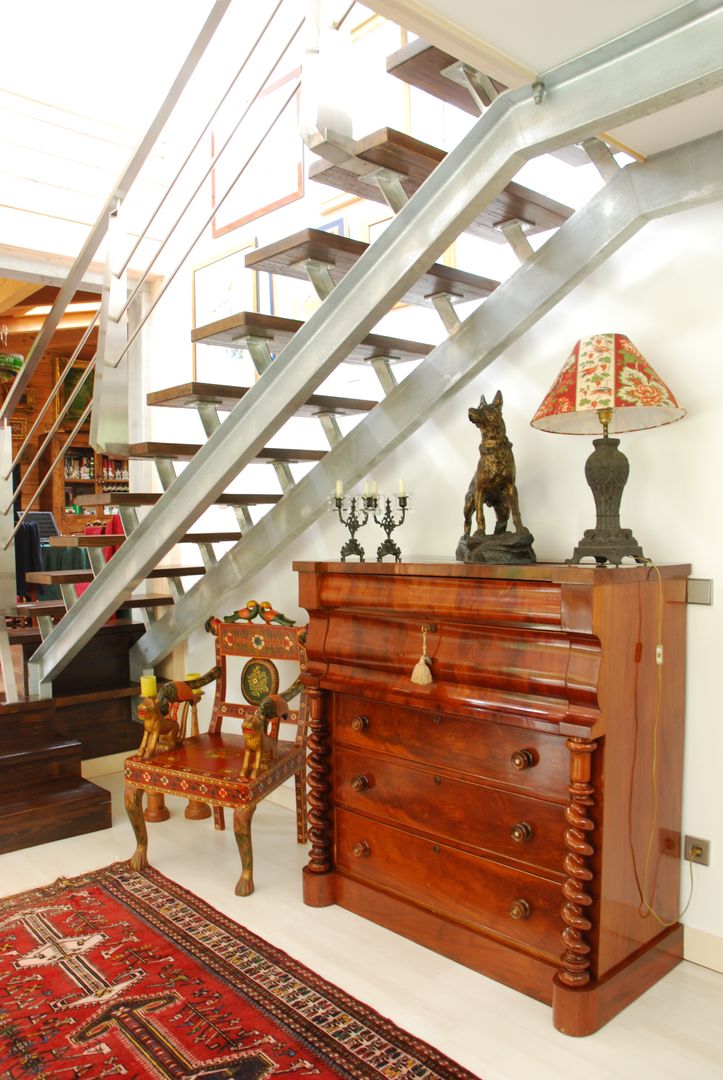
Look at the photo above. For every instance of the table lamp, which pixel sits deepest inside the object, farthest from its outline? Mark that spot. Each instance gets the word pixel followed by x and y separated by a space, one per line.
pixel 606 384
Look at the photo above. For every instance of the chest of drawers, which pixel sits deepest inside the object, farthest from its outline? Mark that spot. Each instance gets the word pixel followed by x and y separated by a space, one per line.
pixel 506 814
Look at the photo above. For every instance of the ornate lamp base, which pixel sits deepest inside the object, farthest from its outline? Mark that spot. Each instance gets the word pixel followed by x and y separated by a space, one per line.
pixel 606 471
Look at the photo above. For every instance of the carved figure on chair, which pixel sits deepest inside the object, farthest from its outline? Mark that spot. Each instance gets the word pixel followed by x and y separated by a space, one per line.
pixel 160 726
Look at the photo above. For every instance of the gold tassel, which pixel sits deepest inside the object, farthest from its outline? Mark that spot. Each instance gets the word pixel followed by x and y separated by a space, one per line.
pixel 422 674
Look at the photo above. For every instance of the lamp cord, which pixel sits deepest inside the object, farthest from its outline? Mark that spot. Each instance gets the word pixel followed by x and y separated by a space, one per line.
pixel 642 886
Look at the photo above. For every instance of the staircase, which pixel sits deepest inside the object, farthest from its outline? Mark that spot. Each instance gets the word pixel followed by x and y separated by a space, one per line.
pixel 435 196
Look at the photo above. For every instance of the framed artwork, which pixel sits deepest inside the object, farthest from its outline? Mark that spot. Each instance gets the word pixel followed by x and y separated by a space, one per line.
pixel 275 174
pixel 77 374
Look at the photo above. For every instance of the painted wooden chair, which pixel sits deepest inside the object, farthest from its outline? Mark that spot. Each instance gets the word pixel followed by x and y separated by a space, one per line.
pixel 221 768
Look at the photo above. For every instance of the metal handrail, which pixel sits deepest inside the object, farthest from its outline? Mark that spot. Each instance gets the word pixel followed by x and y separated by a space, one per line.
pixel 122 269
pixel 200 184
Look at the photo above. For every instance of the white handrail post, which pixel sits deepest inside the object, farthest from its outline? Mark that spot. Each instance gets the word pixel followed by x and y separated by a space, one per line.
pixel 109 419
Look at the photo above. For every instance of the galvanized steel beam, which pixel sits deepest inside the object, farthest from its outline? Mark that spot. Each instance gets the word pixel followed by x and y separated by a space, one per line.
pixel 663 62
pixel 675 180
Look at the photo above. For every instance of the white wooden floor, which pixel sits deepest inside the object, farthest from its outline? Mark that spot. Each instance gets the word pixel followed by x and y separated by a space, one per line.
pixel 673 1031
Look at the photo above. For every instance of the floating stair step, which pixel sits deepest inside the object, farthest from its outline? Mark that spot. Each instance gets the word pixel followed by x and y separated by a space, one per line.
pixel 186 451
pixel 192 394
pixel 53 811
pixel 278 331
pixel 83 541
pixel 211 538
pixel 53 608
pixel 422 65
pixel 285 257
pixel 150 498
pixel 80 577
pixel 415 161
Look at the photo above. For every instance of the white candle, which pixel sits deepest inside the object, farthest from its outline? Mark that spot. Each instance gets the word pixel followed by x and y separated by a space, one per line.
pixel 375 488
pixel 402 488
pixel 367 488
pixel 339 489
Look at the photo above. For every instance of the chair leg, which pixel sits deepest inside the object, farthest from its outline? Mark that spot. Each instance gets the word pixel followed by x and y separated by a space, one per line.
pixel 197 811
pixel 242 816
pixel 300 785
pixel 134 809
pixel 156 809
pixel 219 821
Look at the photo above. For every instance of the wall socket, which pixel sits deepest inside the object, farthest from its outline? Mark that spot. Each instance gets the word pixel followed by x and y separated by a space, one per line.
pixel 696 850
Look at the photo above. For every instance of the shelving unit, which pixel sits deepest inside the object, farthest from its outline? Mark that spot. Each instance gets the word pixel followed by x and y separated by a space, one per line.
pixel 83 472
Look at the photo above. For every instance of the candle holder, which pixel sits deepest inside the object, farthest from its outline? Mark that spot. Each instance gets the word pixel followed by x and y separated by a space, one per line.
pixel 389 523
pixel 353 522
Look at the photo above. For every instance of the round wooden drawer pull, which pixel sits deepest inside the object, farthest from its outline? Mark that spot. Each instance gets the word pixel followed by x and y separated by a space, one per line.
pixel 359 783
pixel 361 849
pixel 519 909
pixel 521 832
pixel 360 723
pixel 523 759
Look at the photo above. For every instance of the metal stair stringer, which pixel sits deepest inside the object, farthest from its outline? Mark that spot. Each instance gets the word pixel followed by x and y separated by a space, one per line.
pixel 671 181
pixel 676 56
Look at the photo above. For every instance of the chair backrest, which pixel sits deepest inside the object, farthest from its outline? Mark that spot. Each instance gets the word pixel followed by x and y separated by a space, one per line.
pixel 262 644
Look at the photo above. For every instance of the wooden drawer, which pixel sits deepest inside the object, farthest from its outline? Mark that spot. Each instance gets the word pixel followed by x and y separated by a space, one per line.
pixel 517 826
pixel 516 756
pixel 451 883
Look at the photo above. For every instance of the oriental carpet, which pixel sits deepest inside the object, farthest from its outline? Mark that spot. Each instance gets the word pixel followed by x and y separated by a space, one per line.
pixel 118 973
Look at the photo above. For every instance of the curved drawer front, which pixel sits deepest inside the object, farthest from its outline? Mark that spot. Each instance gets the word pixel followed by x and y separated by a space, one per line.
pixel 516 756
pixel 516 826
pixel 451 883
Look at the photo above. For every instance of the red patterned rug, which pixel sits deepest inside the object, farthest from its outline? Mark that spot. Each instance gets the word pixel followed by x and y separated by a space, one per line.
pixel 118 973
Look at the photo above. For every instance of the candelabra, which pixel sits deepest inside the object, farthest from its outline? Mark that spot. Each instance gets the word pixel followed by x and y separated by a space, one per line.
pixel 353 522
pixel 389 523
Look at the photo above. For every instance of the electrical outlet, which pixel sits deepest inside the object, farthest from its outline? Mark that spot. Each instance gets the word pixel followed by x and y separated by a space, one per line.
pixel 696 850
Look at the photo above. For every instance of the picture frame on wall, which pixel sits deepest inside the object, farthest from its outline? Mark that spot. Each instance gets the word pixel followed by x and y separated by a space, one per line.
pixel 78 373
pixel 274 176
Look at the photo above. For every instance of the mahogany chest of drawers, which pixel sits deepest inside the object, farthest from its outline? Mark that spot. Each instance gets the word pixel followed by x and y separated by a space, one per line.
pixel 506 814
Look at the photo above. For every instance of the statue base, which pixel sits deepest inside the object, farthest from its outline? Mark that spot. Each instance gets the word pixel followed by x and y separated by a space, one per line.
pixel 506 547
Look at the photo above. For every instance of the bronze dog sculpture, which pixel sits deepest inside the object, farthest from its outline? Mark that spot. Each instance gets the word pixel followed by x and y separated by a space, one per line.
pixel 493 484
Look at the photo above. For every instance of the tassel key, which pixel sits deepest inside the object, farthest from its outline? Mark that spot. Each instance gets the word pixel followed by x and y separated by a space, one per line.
pixel 422 675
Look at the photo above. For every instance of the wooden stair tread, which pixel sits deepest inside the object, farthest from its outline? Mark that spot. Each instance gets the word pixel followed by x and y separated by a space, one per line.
pixel 211 538
pixel 186 451
pixel 279 331
pixel 192 394
pixel 421 64
pixel 81 577
pixel 99 540
pixel 415 161
pixel 150 498
pixel 284 257
pixel 38 608
pixel 100 694
pixel 51 792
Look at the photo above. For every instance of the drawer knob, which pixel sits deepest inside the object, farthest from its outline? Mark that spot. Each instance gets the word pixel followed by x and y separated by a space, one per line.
pixel 360 723
pixel 359 783
pixel 521 832
pixel 519 909
pixel 523 759
pixel 361 849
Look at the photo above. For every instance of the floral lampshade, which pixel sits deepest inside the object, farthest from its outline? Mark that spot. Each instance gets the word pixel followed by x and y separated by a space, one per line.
pixel 606 371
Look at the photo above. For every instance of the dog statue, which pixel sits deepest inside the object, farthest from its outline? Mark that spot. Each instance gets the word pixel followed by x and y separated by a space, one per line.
pixel 160 726
pixel 493 484
pixel 261 731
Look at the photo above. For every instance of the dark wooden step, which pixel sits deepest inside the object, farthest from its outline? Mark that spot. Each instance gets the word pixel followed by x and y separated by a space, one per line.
pixel 33 753
pixel 421 64
pixel 341 253
pixel 279 331
pixel 53 810
pixel 211 538
pixel 78 577
pixel 415 161
pixel 192 394
pixel 150 498
pixel 91 540
pixel 56 608
pixel 96 694
pixel 186 451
